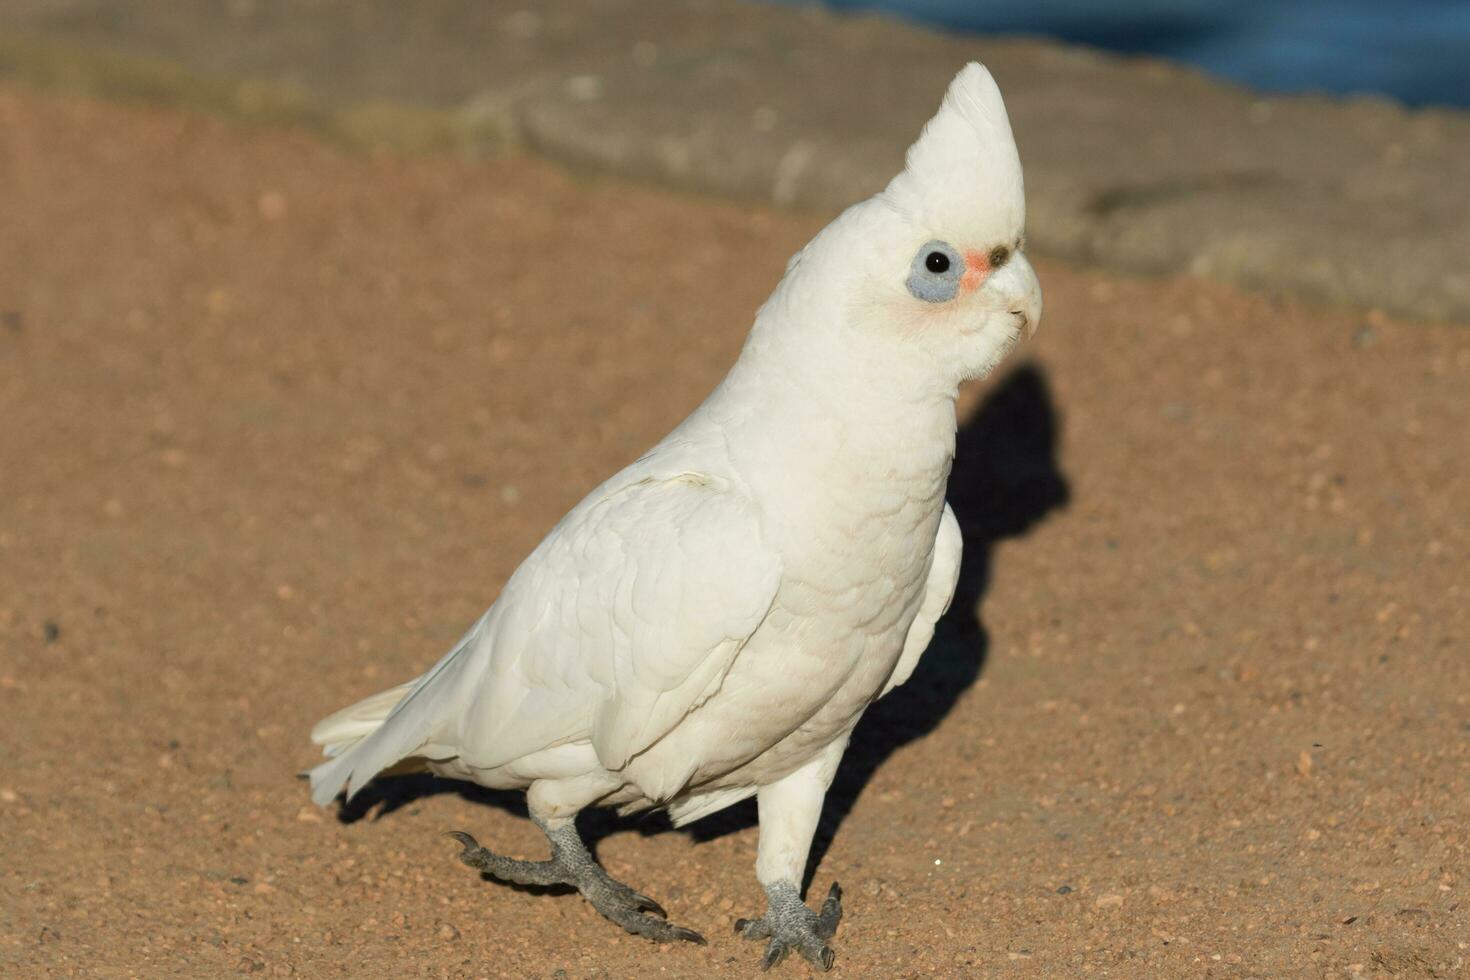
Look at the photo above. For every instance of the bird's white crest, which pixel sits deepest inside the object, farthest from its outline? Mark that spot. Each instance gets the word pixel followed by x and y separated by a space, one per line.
pixel 964 166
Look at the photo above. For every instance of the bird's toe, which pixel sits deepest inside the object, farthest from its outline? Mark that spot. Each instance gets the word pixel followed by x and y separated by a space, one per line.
pixel 650 927
pixel 634 911
pixel 831 914
pixel 752 928
pixel 789 925
pixel 471 848
pixel 818 954
pixel 776 951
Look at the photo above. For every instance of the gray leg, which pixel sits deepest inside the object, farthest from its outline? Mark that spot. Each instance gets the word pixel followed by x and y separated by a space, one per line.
pixel 789 809
pixel 572 864
pixel 789 924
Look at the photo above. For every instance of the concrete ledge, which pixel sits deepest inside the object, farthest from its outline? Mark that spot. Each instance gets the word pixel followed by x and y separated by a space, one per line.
pixel 1135 165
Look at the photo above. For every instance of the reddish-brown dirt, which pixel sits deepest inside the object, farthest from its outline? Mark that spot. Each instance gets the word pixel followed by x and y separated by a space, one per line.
pixel 277 422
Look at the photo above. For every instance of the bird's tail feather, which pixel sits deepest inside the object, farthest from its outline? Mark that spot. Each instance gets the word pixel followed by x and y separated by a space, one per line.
pixel 367 738
pixel 341 731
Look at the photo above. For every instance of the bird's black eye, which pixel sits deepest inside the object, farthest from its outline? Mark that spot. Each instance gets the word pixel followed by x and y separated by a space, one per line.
pixel 937 262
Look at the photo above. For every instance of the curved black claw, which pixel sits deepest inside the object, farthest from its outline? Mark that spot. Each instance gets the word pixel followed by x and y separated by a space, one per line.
pixel 471 852
pixel 647 904
pixel 467 841
pixel 788 924
pixel 628 909
pixel 687 935
pixel 831 913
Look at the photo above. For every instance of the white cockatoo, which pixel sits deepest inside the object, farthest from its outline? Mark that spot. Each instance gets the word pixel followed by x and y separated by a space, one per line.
pixel 712 622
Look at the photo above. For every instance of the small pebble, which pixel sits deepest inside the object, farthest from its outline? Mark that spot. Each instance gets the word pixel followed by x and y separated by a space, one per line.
pixel 272 205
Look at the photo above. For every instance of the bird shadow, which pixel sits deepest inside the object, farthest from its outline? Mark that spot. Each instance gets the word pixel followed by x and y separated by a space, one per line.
pixel 1006 479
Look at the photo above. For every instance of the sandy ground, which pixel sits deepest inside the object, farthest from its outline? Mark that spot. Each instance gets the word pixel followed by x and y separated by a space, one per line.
pixel 276 423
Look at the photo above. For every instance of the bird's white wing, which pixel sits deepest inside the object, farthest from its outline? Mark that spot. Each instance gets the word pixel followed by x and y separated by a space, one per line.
pixel 624 620
pixel 944 575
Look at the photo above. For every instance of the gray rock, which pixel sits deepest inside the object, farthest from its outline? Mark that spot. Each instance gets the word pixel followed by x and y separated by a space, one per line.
pixel 1133 164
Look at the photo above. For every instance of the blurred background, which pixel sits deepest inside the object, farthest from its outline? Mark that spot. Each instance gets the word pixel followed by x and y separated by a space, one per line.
pixel 1306 149
pixel 1416 51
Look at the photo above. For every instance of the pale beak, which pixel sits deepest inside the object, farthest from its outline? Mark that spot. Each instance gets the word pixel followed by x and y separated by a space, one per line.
pixel 1023 293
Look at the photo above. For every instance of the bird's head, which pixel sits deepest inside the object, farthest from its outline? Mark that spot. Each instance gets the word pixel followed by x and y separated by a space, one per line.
pixel 933 266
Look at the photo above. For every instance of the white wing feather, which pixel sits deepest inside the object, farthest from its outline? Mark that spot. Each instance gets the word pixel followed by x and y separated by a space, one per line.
pixel 640 602
pixel 944 575
pixel 621 622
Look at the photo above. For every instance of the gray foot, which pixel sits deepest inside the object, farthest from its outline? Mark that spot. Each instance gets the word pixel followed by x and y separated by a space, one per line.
pixel 789 924
pixel 572 864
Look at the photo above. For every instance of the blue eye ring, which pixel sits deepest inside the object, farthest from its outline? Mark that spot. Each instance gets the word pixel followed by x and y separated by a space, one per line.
pixel 934 274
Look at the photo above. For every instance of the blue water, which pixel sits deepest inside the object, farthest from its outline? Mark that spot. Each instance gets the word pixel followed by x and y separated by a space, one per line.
pixel 1415 51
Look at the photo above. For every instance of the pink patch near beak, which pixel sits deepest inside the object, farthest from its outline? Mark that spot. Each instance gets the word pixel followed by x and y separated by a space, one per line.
pixel 977 270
